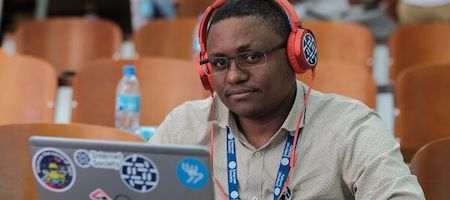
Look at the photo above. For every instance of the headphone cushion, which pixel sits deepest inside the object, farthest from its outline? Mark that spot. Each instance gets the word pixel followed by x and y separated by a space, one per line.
pixel 302 50
pixel 203 77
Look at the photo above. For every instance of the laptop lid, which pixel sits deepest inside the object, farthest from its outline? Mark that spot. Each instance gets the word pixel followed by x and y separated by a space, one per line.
pixel 91 169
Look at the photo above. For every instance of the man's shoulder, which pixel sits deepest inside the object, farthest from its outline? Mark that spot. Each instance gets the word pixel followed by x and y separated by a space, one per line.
pixel 337 104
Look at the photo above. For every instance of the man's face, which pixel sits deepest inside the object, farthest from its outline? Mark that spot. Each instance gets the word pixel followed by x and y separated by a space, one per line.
pixel 250 93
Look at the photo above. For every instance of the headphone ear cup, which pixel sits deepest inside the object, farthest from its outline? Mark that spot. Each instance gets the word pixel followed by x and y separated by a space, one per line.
pixel 203 77
pixel 302 50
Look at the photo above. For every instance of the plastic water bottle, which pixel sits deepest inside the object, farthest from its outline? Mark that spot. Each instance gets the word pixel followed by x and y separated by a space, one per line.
pixel 128 101
pixel 195 43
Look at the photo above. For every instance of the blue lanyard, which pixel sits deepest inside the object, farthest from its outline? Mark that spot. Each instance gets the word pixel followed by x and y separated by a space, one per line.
pixel 283 170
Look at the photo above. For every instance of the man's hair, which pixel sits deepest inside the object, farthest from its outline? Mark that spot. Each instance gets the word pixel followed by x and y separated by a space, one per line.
pixel 271 13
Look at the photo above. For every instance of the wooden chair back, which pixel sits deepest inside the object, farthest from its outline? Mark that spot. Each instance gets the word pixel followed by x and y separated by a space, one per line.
pixel 167 37
pixel 68 42
pixel 422 97
pixel 343 42
pixel 346 79
pixel 27 90
pixel 417 44
pixel 16 177
pixel 431 165
pixel 191 8
pixel 165 83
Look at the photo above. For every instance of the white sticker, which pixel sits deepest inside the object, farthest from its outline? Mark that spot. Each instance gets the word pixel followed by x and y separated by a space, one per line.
pixel 82 158
pixel 106 160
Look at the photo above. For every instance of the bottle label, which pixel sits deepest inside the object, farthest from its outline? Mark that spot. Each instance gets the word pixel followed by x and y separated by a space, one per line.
pixel 129 103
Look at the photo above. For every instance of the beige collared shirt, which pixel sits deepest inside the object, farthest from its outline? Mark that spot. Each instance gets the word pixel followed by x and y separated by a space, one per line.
pixel 344 152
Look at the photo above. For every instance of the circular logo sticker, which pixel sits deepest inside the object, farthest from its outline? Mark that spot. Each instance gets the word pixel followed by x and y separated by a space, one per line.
pixel 53 169
pixel 139 173
pixel 82 158
pixel 192 173
pixel 310 49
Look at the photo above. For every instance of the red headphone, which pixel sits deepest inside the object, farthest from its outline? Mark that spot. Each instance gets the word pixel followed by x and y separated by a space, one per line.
pixel 301 43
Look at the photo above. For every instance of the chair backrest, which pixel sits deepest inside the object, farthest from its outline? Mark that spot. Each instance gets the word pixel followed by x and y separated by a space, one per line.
pixel 167 37
pixel 431 165
pixel 191 8
pixel 346 79
pixel 68 42
pixel 165 83
pixel 422 96
pixel 27 90
pixel 416 44
pixel 343 42
pixel 16 177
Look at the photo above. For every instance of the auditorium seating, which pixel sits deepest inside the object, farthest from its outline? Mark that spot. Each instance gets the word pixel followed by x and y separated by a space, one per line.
pixel 422 98
pixel 348 79
pixel 343 42
pixel 68 42
pixel 416 44
pixel 431 165
pixel 27 90
pixel 166 37
pixel 165 83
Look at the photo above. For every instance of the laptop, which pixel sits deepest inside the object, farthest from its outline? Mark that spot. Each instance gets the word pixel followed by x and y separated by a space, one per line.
pixel 105 170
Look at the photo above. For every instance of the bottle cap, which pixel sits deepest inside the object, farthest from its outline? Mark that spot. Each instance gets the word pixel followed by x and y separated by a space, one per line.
pixel 129 70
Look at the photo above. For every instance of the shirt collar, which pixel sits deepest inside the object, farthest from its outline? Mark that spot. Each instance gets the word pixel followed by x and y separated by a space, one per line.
pixel 223 115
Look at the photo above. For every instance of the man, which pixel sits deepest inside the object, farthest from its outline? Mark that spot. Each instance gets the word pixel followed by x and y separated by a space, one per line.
pixel 344 150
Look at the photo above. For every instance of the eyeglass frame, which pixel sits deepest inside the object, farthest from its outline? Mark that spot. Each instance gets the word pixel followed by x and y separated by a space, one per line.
pixel 265 52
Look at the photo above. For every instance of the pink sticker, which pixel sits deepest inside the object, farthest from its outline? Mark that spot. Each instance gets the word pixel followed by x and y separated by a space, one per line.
pixel 99 194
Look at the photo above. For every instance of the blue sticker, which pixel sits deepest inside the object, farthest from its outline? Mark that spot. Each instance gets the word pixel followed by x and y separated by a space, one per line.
pixel 53 169
pixel 310 49
pixel 192 173
pixel 82 158
pixel 139 173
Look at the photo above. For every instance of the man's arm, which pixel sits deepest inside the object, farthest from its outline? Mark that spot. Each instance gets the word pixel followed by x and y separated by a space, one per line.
pixel 375 166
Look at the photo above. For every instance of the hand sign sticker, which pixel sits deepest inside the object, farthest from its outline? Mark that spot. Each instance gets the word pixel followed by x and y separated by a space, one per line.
pixel 192 173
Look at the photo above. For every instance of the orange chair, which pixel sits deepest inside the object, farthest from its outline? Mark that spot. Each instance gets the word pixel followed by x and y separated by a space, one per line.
pixel 422 96
pixel 165 83
pixel 2 53
pixel 431 165
pixel 16 178
pixel 166 37
pixel 416 44
pixel 27 90
pixel 343 42
pixel 191 8
pixel 346 79
pixel 68 42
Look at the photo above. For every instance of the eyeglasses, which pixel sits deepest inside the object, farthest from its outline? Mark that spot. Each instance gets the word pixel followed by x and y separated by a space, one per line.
pixel 245 60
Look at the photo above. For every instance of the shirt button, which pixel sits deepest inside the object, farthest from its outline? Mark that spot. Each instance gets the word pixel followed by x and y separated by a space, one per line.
pixel 254 198
pixel 258 155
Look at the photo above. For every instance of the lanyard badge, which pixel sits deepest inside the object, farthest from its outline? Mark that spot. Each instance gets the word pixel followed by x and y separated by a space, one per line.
pixel 283 170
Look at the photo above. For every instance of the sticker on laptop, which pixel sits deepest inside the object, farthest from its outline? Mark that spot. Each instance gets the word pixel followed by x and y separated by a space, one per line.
pixel 139 173
pixel 82 158
pixel 106 160
pixel 53 169
pixel 99 194
pixel 192 173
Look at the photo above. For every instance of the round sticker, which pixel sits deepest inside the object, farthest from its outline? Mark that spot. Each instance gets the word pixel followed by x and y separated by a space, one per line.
pixel 82 158
pixel 310 49
pixel 192 173
pixel 139 173
pixel 53 169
